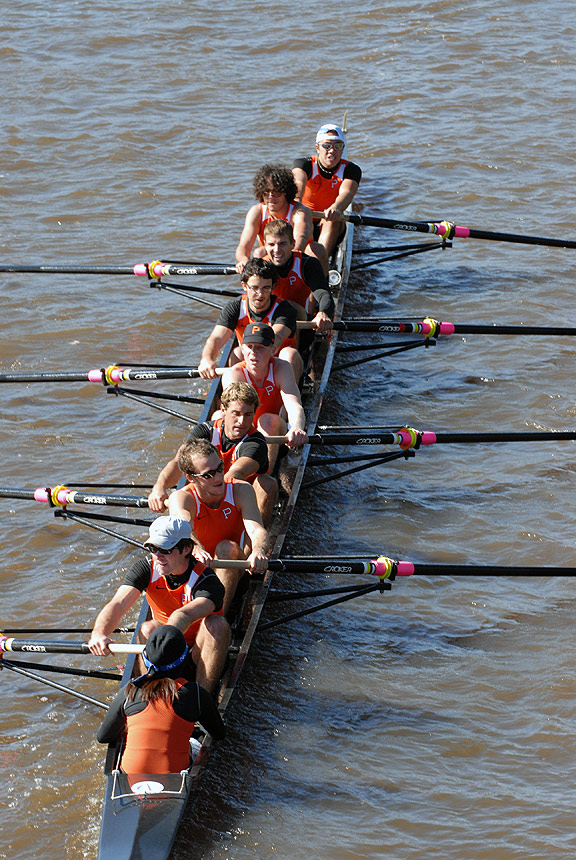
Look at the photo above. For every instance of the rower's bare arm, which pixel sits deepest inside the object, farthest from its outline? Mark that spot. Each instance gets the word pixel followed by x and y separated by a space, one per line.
pixel 247 237
pixel 302 226
pixel 243 468
pixel 292 403
pixel 168 477
pixel 109 617
pixel 179 505
pixel 209 361
pixel 300 178
pixel 281 332
pixel 189 613
pixel 255 530
pixel 346 195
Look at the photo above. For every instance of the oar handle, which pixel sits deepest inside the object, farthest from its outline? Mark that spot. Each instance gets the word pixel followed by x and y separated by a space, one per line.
pixel 35 646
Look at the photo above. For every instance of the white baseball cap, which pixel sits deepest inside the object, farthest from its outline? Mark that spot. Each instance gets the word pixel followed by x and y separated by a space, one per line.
pixel 166 532
pixel 330 132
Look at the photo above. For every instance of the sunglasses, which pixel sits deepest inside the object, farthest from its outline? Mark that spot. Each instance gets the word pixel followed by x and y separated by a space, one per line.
pixel 158 550
pixel 337 146
pixel 210 473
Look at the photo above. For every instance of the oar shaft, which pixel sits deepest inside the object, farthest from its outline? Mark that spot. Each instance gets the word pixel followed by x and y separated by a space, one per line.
pixel 449 230
pixel 160 270
pixel 75 270
pixel 110 375
pixel 35 646
pixel 433 328
pixel 375 567
pixel 59 496
pixel 409 438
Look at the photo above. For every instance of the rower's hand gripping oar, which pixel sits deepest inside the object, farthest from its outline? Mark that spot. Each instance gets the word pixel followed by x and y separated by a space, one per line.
pixel 37 646
pixel 449 230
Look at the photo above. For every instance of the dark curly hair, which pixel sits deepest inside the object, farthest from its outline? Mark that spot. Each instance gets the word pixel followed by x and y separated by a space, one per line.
pixel 281 178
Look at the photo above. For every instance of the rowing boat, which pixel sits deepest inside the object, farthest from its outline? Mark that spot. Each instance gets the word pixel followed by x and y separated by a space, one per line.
pixel 141 815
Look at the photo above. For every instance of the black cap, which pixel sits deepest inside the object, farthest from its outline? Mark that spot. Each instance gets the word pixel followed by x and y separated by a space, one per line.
pixel 165 649
pixel 259 333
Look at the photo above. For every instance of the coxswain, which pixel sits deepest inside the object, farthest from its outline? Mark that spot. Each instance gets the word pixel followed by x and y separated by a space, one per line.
pixel 259 304
pixel 223 513
pixel 280 412
pixel 275 190
pixel 238 443
pixel 327 183
pixel 301 279
pixel 156 713
pixel 181 590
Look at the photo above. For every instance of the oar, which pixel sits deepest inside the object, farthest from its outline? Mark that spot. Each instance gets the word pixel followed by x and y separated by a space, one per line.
pixel 39 646
pixel 111 375
pixel 389 568
pixel 408 437
pixel 377 567
pixel 449 230
pixel 59 496
pixel 169 270
pixel 148 270
pixel 433 328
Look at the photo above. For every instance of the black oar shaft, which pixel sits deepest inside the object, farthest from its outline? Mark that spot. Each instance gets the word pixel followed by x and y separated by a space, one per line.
pixel 449 230
pixel 61 496
pixel 409 438
pixel 111 375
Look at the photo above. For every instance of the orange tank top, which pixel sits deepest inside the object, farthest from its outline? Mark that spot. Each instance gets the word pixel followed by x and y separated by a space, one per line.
pixel 269 394
pixel 293 286
pixel 266 218
pixel 231 455
pixel 157 740
pixel 244 319
pixel 164 600
pixel 321 192
pixel 215 524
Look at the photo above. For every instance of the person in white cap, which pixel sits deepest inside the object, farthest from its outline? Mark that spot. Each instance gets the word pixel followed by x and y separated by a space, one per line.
pixel 327 183
pixel 181 591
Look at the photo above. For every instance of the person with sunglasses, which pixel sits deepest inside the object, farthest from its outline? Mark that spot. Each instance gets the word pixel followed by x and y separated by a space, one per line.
pixel 182 591
pixel 223 513
pixel 239 445
pixel 327 183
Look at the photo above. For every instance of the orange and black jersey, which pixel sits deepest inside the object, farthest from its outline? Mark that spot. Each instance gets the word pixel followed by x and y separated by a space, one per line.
pixel 351 170
pixel 158 734
pixel 251 445
pixel 312 275
pixel 284 314
pixel 207 584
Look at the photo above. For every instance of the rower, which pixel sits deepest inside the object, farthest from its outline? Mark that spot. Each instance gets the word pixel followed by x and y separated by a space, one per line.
pixel 327 183
pixel 223 513
pixel 239 444
pixel 280 412
pixel 181 590
pixel 157 712
pixel 301 279
pixel 275 190
pixel 258 304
